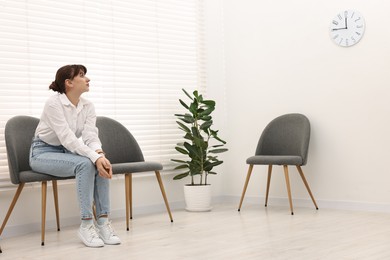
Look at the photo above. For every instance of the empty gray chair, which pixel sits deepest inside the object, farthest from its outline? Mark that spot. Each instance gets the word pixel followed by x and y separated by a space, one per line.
pixel 19 132
pixel 284 141
pixel 126 158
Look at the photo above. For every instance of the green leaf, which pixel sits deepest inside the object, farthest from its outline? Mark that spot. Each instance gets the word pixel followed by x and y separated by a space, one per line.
pixel 205 118
pixel 178 161
pixel 221 150
pixel 219 139
pixel 193 108
pixel 209 102
pixel 183 104
pixel 181 150
pixel 195 132
pixel 188 95
pixel 195 93
pixel 206 124
pixel 200 143
pixel 183 166
pixel 183 127
pixel 192 150
pixel 207 111
pixel 181 176
pixel 189 118
pixel 209 166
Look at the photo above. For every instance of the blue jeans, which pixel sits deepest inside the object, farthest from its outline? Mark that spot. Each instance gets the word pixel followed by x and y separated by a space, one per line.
pixel 58 161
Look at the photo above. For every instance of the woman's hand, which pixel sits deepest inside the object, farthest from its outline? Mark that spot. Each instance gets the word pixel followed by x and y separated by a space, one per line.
pixel 104 167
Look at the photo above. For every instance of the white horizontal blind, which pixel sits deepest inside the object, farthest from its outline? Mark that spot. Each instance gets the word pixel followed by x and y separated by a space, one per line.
pixel 139 55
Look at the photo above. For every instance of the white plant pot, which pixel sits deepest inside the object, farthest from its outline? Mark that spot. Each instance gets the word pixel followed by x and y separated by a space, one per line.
pixel 197 197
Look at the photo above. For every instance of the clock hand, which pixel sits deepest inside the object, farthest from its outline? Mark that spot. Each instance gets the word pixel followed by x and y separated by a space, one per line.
pixel 346 27
pixel 335 29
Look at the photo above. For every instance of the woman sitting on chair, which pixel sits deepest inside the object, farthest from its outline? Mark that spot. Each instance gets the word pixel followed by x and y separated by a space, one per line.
pixel 57 150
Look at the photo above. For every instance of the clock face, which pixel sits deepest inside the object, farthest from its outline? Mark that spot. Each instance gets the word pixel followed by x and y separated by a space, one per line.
pixel 347 28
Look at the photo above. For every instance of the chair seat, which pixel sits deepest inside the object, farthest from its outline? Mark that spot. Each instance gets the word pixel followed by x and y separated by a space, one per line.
pixel 133 167
pixel 31 176
pixel 275 160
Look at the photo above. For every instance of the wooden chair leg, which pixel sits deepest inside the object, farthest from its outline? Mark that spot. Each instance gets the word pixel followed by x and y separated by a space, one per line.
pixel 44 192
pixel 288 187
pixel 131 194
pixel 268 183
pixel 11 207
pixel 307 185
pixel 248 176
pixel 127 194
pixel 160 183
pixel 55 193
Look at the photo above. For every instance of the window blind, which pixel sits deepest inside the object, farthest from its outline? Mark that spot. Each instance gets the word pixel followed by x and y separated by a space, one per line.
pixel 139 55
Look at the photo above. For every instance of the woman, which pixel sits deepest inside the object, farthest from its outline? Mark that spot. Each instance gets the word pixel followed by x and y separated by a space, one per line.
pixel 57 149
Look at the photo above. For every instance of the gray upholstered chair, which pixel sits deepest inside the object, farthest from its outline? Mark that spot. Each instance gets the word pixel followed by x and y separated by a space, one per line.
pixel 126 158
pixel 19 132
pixel 284 141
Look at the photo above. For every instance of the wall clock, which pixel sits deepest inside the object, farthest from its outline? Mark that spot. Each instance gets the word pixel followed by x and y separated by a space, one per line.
pixel 347 28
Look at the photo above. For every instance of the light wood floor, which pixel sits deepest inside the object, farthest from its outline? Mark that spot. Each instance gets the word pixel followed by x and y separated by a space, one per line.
pixel 254 233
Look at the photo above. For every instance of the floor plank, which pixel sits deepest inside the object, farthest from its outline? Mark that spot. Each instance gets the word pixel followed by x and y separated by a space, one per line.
pixel 224 233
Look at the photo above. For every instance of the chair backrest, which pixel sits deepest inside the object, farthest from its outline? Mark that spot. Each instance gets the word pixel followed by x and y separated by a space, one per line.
pixel 286 135
pixel 117 142
pixel 19 132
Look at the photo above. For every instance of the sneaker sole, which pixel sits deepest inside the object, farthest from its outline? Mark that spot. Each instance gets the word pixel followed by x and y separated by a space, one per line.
pixel 109 242
pixel 87 243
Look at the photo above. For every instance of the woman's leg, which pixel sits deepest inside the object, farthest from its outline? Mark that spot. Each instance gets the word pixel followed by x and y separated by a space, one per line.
pixel 102 196
pixel 57 161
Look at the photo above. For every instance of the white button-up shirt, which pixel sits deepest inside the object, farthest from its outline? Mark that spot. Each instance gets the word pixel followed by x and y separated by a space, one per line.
pixel 62 123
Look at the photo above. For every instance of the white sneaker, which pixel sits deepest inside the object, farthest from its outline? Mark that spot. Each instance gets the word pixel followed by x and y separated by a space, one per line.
pixel 107 234
pixel 90 237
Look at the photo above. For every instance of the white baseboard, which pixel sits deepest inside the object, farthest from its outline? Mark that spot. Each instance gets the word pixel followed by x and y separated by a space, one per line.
pixel 307 203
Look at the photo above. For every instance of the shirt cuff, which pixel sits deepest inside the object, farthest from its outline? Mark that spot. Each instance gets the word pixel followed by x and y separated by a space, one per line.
pixel 94 156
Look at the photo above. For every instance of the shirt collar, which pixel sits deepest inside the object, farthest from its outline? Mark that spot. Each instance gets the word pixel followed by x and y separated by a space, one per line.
pixel 66 102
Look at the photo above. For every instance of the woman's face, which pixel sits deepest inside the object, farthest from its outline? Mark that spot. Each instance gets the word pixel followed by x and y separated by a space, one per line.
pixel 80 83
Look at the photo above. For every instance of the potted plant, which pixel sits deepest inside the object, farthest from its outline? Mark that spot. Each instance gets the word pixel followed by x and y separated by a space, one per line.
pixel 202 146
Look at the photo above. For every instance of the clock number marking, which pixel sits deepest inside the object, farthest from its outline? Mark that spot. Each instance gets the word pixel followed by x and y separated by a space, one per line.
pixel 339 16
pixel 352 15
pixel 341 40
pixel 346 42
pixel 359 26
pixel 335 37
pixel 357 19
pixel 358 33
pixel 353 39
pixel 346 14
pixel 335 22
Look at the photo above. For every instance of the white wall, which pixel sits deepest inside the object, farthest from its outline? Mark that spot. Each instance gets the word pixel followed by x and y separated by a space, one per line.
pixel 278 59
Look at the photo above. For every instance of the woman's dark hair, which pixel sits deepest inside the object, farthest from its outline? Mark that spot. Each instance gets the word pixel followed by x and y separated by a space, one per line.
pixel 64 73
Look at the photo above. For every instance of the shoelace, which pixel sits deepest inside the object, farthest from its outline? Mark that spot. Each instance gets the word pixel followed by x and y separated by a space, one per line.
pixel 108 227
pixel 93 232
